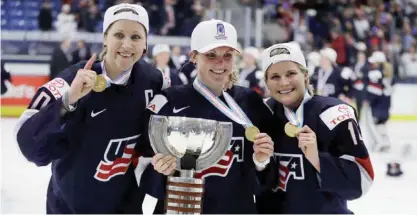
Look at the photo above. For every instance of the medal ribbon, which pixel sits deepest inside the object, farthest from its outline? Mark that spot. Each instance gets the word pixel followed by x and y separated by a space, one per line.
pixel 297 118
pixel 233 111
pixel 120 80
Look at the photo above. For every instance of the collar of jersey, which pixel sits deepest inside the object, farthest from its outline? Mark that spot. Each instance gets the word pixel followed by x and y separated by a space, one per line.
pixel 122 79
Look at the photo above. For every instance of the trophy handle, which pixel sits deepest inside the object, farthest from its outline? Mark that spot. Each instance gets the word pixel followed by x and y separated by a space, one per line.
pixel 160 123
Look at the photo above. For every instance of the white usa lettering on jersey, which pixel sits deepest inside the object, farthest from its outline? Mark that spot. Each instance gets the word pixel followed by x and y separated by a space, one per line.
pixel 117 158
pixel 290 166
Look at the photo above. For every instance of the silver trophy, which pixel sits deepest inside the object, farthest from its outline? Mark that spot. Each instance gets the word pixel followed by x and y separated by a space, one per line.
pixel 197 144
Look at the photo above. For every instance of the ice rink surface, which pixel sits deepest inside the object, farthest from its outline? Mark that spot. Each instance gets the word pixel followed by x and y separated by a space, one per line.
pixel 23 188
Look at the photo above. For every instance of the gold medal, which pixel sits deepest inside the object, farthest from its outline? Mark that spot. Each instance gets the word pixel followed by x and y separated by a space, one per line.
pixel 101 84
pixel 251 133
pixel 290 129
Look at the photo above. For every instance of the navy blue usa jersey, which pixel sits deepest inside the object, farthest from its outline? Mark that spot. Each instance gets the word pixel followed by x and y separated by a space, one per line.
pixel 338 82
pixel 92 149
pixel 346 171
pixel 230 185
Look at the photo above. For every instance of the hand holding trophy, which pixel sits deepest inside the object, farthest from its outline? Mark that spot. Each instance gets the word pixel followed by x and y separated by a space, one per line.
pixel 164 164
pixel 187 145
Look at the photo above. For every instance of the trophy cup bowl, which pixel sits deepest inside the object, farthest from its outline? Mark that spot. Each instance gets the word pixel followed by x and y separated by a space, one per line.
pixel 196 144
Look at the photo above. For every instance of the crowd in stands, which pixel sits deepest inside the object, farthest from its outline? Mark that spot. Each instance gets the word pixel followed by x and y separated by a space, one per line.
pixel 353 28
pixel 167 17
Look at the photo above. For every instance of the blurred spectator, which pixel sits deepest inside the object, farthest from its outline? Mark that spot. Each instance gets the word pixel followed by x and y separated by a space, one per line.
pixel 177 59
pixel 395 49
pixel 5 77
pixel 360 59
pixel 170 17
pixel 409 62
pixel 313 61
pixel 196 15
pixel 338 43
pixel 361 24
pixel 161 55
pixel 45 16
pixel 408 39
pixel 89 15
pixel 65 23
pixel 82 53
pixel 250 75
pixel 157 14
pixel 60 59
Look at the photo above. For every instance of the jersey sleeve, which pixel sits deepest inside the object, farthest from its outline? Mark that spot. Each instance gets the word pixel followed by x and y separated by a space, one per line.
pixel 346 168
pixel 144 172
pixel 41 132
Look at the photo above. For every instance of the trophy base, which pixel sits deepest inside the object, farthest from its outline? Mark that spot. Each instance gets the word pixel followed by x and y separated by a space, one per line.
pixel 184 195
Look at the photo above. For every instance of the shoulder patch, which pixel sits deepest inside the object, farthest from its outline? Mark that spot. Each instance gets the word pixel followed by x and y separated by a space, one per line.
pixel 337 114
pixel 157 103
pixel 57 87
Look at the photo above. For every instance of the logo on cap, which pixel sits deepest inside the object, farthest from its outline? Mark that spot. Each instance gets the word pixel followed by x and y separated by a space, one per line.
pixel 278 51
pixel 221 33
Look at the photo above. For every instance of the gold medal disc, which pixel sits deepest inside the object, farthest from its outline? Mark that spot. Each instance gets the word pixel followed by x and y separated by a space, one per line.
pixel 100 84
pixel 251 133
pixel 290 129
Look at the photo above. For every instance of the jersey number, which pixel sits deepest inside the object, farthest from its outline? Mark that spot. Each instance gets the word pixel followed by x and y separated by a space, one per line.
pixel 41 101
pixel 352 133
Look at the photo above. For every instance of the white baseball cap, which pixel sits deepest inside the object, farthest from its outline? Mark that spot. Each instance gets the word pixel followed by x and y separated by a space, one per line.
pixel 211 34
pixel 377 57
pixel 126 11
pixel 159 48
pixel 329 53
pixel 282 52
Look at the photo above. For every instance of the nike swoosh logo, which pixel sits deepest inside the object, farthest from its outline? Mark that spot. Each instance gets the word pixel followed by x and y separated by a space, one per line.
pixel 96 114
pixel 179 110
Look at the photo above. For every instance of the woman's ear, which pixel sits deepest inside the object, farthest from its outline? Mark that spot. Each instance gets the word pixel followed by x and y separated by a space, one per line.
pixel 192 55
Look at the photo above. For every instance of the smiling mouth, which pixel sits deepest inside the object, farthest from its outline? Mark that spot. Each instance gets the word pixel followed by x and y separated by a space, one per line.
pixel 125 55
pixel 283 92
pixel 218 72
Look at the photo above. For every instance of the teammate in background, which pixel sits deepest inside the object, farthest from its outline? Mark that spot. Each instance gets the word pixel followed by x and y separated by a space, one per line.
pixel 161 55
pixel 231 184
pixel 379 79
pixel 313 62
pixel 359 69
pixel 321 159
pixel 330 80
pixel 250 76
pixel 88 136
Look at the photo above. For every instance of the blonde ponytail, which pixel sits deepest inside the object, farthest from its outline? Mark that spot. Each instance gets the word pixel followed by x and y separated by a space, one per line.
pixel 102 54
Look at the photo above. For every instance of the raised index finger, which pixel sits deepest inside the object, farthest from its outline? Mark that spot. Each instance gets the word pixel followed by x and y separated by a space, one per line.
pixel 90 62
